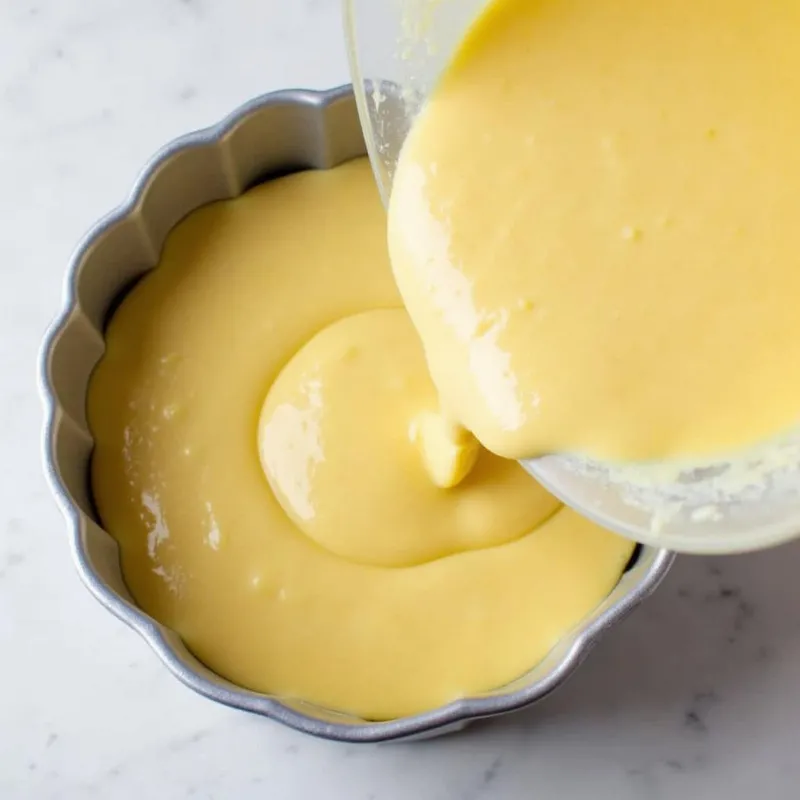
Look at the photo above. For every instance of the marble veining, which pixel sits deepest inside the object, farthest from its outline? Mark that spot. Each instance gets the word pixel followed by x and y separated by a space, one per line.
pixel 694 696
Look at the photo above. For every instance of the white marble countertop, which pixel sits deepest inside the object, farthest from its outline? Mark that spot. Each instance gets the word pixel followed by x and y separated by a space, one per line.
pixel 694 696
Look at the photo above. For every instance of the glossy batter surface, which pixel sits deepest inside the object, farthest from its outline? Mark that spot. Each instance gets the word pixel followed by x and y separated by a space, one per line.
pixel 337 438
pixel 594 227
pixel 271 334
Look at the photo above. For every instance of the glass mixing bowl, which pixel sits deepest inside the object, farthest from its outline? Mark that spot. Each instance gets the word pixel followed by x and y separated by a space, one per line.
pixel 397 50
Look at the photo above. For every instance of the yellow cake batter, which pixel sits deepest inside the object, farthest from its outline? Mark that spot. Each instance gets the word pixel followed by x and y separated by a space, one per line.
pixel 594 227
pixel 262 419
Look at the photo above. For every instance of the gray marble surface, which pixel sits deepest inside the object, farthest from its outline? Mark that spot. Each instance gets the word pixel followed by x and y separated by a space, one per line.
pixel 696 696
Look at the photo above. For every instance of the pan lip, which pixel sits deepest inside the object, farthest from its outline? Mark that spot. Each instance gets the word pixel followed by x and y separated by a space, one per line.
pixel 454 714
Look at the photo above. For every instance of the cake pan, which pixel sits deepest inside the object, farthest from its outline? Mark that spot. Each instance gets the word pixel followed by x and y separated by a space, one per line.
pixel 274 134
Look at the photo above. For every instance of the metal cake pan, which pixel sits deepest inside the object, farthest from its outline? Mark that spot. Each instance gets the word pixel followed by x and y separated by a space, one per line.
pixel 274 134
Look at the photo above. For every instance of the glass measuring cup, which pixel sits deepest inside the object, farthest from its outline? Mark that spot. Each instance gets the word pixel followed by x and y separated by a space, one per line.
pixel 745 501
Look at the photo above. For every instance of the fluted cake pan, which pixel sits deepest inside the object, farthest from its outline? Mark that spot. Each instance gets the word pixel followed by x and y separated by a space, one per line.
pixel 272 135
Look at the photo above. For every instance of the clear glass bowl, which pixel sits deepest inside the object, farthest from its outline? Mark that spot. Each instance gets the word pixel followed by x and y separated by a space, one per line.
pixel 397 51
